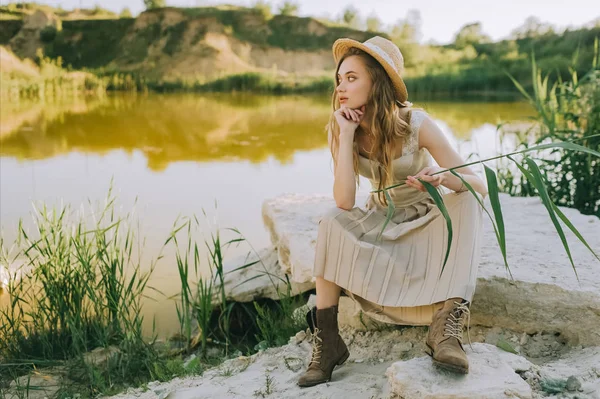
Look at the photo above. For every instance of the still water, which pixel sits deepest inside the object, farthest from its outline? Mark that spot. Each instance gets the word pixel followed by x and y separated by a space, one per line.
pixel 172 155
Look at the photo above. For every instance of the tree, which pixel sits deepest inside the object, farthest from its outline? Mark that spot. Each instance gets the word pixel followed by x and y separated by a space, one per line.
pixel 351 17
pixel 150 4
pixel 288 8
pixel 470 34
pixel 406 34
pixel 373 23
pixel 125 13
pixel 407 30
pixel 532 27
pixel 264 8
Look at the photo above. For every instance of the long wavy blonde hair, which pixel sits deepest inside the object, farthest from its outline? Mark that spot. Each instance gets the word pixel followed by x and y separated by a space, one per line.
pixel 387 126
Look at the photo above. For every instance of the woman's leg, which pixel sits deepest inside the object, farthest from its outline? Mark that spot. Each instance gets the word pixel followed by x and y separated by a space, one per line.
pixel 328 348
pixel 328 293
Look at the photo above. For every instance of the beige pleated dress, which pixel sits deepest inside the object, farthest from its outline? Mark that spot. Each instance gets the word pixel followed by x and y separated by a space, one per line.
pixel 396 279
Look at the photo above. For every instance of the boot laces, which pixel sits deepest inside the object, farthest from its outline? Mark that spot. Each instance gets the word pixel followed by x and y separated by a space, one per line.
pixel 316 345
pixel 454 327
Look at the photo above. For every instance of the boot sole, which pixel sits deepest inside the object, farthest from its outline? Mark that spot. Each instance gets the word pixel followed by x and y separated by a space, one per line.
pixel 445 366
pixel 339 363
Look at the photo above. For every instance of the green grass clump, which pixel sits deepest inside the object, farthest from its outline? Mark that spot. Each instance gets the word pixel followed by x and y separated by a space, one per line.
pixel 80 291
pixel 49 80
pixel 568 111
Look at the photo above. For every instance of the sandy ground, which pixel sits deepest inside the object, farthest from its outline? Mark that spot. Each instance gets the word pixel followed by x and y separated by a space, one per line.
pixel 273 372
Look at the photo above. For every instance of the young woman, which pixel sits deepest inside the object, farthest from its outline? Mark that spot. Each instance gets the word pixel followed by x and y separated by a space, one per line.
pixel 375 132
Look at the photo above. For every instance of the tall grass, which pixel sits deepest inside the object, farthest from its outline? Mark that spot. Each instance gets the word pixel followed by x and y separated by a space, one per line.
pixel 566 111
pixel 81 287
pixel 230 325
pixel 50 80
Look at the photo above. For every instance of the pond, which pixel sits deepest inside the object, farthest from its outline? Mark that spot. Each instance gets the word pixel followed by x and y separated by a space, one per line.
pixel 179 154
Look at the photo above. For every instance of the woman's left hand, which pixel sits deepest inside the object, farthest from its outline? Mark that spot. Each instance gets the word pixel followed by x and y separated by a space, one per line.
pixel 425 175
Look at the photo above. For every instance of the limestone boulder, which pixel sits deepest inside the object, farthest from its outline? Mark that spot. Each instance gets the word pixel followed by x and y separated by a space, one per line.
pixel 257 275
pixel 492 375
pixel 543 293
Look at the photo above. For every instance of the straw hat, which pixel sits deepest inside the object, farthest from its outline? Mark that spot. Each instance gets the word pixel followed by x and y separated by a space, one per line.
pixel 384 51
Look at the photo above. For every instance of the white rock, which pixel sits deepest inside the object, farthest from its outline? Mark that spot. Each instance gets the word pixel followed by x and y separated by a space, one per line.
pixel 40 385
pixel 545 294
pixel 292 222
pixel 491 376
pixel 247 378
pixel 257 281
pixel 100 356
pixel 584 364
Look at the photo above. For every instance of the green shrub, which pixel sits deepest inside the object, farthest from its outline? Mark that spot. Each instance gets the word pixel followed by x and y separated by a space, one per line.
pixel 48 34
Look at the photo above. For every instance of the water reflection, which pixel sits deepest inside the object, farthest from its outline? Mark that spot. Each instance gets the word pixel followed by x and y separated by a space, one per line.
pixel 179 154
pixel 180 128
pixel 172 128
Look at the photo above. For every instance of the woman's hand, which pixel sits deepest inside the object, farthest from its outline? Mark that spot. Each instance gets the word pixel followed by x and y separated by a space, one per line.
pixel 348 119
pixel 425 175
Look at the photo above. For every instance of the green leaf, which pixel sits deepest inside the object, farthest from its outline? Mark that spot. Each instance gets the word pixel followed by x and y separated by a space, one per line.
pixel 502 249
pixel 439 201
pixel 506 346
pixel 535 177
pixel 563 144
pixel 518 86
pixel 390 213
pixel 492 182
pixel 573 229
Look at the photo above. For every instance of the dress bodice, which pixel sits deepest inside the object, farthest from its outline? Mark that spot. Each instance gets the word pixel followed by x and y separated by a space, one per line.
pixel 412 161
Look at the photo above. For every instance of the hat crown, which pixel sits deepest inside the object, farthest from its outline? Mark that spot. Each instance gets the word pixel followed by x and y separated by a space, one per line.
pixel 387 50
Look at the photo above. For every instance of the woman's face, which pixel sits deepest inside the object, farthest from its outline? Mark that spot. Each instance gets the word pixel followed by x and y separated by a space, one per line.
pixel 354 83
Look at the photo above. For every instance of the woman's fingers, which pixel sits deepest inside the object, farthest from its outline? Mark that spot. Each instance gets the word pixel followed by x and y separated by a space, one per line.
pixel 415 184
pixel 347 113
pixel 430 178
pixel 414 181
pixel 352 114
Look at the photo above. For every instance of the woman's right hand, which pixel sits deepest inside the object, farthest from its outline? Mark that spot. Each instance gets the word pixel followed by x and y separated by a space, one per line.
pixel 348 119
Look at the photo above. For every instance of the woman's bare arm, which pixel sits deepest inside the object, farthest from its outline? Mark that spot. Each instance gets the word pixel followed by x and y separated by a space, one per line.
pixel 432 138
pixel 344 185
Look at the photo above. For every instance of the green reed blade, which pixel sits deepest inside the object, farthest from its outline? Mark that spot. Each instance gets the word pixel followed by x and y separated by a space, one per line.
pixel 535 177
pixel 493 191
pixel 539 182
pixel 502 248
pixel 562 144
pixel 389 215
pixel 519 86
pixel 258 276
pixel 439 201
pixel 243 266
pixel 566 221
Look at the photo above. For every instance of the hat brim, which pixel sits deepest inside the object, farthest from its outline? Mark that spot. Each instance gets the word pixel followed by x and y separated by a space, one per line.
pixel 340 47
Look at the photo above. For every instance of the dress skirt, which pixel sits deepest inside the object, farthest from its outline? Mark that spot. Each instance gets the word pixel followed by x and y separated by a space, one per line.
pixel 398 278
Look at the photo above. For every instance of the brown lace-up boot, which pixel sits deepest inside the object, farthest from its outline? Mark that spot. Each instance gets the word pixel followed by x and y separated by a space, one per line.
pixel 444 339
pixel 328 348
pixel 311 317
